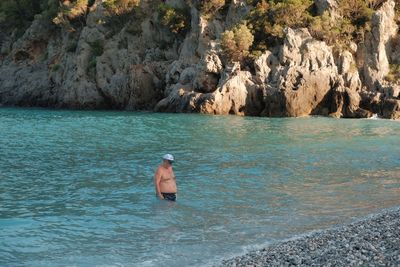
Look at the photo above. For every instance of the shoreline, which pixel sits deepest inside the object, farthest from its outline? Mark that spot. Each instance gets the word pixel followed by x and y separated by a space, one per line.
pixel 51 108
pixel 373 240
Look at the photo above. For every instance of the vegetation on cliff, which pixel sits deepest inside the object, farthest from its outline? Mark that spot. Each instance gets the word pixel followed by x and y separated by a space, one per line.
pixel 17 15
pixel 394 73
pixel 266 19
pixel 261 28
pixel 176 19
pixel 236 42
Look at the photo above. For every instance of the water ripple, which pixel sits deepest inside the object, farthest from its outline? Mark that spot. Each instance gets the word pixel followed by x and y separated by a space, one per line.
pixel 76 187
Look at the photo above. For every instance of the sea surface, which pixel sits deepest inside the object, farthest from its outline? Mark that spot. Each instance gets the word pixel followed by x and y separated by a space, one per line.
pixel 76 187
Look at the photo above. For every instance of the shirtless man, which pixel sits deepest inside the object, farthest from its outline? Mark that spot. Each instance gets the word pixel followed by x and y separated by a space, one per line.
pixel 164 179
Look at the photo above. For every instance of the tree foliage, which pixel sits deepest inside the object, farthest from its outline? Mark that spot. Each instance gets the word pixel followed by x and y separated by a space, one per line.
pixel 394 73
pixel 71 11
pixel 121 12
pixel 176 19
pixel 120 7
pixel 18 14
pixel 268 19
pixel 350 26
pixel 237 42
pixel 208 7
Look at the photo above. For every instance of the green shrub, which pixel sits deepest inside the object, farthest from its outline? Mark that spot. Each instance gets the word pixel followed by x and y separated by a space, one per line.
pixel 394 73
pixel 209 7
pixel 291 13
pixel 50 8
pixel 18 15
pixel 55 67
pixel 97 48
pixel 119 7
pixel 74 11
pixel 268 19
pixel 236 43
pixel 122 12
pixel 339 33
pixel 177 20
pixel 70 12
pixel 356 10
pixel 351 26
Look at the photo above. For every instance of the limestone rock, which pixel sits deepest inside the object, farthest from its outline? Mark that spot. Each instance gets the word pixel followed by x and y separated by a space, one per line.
pixel 348 69
pixel 346 103
pixel 302 82
pixel 83 69
pixel 188 52
pixel 180 99
pixel 207 73
pixel 381 104
pixel 391 109
pixel 22 85
pixel 395 49
pixel 212 63
pixel 394 91
pixel 144 65
pixel 3 36
pixel 238 9
pixel 205 82
pixel 173 75
pixel 389 90
pixel 5 44
pixel 208 33
pixel 96 14
pixel 146 86
pixel 263 66
pixel 32 45
pixel 384 28
pixel 188 75
pixel 238 95
pixel 322 6
pixel 371 101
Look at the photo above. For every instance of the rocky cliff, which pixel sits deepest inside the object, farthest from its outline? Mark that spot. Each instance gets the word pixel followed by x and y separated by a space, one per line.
pixel 139 64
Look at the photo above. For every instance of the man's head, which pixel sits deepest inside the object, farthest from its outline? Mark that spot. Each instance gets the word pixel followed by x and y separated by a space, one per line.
pixel 169 158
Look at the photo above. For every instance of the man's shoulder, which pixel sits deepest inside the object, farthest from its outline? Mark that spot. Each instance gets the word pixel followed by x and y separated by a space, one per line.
pixel 159 168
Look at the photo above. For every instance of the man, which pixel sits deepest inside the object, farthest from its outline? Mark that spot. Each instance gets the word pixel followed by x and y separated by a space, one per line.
pixel 165 180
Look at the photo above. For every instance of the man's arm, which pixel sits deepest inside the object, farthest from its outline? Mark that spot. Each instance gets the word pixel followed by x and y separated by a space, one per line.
pixel 157 181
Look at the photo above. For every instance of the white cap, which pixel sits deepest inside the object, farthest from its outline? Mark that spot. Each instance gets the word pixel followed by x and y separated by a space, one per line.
pixel 168 157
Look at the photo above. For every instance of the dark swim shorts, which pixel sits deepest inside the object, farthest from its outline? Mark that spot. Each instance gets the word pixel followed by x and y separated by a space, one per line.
pixel 169 196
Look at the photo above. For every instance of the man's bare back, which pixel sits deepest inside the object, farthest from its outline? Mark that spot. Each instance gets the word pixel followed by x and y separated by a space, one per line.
pixel 165 180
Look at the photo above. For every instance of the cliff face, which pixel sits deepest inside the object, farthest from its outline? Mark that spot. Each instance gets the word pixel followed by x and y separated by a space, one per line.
pixel 142 65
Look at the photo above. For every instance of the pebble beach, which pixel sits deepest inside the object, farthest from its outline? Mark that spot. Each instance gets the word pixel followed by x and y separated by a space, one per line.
pixel 371 241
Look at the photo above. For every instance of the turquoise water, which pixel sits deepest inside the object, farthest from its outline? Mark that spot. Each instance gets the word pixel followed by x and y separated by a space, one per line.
pixel 76 187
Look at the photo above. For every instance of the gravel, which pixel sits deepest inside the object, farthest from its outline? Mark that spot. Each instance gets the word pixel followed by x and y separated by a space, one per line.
pixel 371 241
